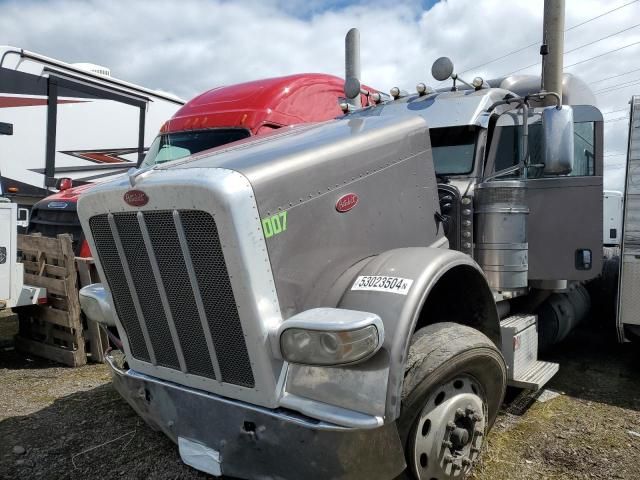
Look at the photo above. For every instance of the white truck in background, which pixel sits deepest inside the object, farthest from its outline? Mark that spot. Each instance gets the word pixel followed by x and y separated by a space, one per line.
pixel 13 291
pixel 70 121
pixel 612 218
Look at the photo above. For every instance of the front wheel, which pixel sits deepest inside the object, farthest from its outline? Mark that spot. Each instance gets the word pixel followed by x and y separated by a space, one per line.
pixel 454 385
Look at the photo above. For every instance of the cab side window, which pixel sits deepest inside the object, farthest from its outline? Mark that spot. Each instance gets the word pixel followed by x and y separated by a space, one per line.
pixel 510 144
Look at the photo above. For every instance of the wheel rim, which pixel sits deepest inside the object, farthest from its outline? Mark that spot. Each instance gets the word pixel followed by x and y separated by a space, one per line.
pixel 450 430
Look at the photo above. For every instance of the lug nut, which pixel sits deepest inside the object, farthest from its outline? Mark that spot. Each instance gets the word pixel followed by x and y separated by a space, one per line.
pixel 476 417
pixel 451 425
pixel 479 433
pixel 466 462
pixel 447 444
pixel 459 413
pixel 475 450
pixel 447 458
pixel 456 466
pixel 470 410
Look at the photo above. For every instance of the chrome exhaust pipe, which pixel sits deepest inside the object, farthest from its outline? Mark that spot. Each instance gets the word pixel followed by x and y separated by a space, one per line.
pixel 352 62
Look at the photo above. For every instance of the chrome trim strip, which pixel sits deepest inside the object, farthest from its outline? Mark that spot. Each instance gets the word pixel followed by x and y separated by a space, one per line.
pixel 186 254
pixel 132 289
pixel 163 294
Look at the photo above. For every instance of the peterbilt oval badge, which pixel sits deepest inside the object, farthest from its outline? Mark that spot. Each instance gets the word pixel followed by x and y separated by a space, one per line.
pixel 346 202
pixel 136 198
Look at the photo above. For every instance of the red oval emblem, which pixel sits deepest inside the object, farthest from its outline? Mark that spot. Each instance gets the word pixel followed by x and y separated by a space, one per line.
pixel 136 198
pixel 346 202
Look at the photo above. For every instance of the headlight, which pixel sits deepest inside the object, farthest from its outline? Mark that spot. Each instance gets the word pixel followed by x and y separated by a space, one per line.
pixel 312 347
pixel 330 336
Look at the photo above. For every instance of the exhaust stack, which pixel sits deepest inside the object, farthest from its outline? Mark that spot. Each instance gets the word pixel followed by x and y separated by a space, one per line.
pixel 552 49
pixel 352 62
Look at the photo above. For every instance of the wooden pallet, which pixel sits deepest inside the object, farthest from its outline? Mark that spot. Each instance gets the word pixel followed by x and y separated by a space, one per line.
pixel 56 330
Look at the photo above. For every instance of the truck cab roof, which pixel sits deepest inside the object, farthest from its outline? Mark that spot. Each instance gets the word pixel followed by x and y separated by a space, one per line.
pixel 272 102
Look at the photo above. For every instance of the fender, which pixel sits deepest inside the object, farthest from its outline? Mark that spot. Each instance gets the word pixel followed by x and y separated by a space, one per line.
pixel 403 313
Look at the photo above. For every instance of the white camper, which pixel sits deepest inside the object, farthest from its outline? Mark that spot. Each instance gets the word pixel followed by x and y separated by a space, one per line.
pixel 72 121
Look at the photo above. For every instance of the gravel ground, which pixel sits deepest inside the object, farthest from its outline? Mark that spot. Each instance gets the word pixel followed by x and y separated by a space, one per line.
pixel 58 422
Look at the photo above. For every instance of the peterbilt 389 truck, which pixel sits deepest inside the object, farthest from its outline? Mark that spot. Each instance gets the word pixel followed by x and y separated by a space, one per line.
pixel 350 299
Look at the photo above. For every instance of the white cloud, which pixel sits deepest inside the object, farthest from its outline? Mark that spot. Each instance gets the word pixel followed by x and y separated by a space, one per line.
pixel 189 46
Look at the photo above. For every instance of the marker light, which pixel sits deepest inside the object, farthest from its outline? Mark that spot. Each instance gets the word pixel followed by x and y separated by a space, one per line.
pixel 395 92
pixel 421 88
pixel 375 97
pixel 330 336
pixel 65 184
pixel 477 82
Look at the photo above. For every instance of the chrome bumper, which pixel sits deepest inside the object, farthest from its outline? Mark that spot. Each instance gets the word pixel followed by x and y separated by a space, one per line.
pixel 223 436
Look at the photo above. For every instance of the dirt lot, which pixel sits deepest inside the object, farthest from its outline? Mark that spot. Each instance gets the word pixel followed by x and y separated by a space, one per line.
pixel 58 422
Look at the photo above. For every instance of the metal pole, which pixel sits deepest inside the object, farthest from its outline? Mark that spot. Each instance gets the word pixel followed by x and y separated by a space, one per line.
pixel 352 60
pixel 553 38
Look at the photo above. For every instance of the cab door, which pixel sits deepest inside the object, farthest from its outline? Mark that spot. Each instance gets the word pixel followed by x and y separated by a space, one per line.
pixel 565 218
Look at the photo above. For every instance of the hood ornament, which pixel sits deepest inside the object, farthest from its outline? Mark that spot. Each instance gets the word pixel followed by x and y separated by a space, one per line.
pixel 134 173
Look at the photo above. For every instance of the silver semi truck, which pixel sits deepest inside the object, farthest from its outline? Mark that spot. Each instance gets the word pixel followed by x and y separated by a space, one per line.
pixel 350 299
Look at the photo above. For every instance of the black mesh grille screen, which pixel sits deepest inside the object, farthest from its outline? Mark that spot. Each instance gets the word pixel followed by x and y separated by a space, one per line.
pixel 214 289
pixel 114 272
pixel 145 285
pixel 217 297
pixel 166 248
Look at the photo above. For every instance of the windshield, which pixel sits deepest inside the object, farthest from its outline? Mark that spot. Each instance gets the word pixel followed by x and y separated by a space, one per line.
pixel 453 149
pixel 171 146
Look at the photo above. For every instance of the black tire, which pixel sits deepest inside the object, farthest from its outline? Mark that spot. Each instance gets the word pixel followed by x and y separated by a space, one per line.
pixel 440 352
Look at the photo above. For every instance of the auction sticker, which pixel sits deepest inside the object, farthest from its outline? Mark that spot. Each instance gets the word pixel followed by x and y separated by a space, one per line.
pixel 379 283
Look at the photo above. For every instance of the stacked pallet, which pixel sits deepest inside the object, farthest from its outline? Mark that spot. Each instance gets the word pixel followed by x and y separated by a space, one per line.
pixel 55 330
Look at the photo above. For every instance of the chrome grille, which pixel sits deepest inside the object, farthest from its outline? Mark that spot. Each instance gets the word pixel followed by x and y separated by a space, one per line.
pixel 173 301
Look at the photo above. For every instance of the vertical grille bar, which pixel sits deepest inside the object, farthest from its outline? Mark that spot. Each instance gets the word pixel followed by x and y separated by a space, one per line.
pixel 132 289
pixel 145 288
pixel 179 292
pixel 110 256
pixel 163 295
pixel 217 296
pixel 196 293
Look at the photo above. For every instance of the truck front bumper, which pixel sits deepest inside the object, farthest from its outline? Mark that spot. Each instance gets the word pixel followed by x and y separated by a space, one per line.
pixel 223 436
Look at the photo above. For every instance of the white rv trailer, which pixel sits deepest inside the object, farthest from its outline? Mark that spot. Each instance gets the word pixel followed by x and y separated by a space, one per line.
pixel 70 121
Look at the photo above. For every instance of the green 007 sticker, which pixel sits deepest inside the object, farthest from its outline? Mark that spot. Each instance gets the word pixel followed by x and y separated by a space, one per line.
pixel 274 225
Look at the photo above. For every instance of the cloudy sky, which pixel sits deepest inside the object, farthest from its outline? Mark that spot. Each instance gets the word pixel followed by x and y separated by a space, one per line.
pixel 188 46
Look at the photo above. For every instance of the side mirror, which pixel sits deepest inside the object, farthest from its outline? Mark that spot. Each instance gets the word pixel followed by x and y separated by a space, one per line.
pixel 23 217
pixel 557 140
pixel 442 68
